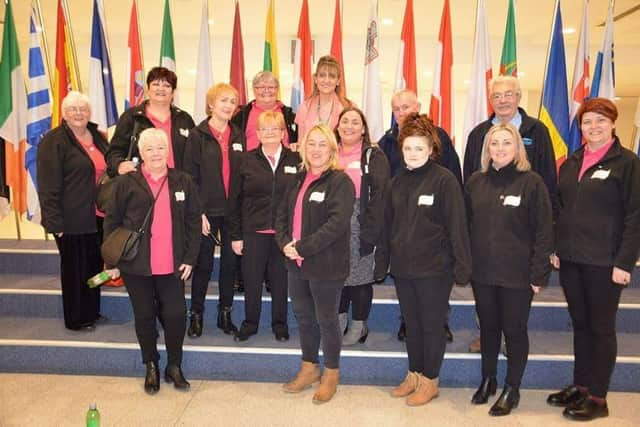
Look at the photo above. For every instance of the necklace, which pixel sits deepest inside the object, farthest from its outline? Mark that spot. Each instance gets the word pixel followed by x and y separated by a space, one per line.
pixel 325 121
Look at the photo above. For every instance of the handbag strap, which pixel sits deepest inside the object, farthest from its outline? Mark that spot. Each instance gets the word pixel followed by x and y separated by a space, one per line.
pixel 148 215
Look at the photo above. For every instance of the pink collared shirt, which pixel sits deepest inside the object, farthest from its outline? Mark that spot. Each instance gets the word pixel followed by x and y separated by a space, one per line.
pixel 166 127
pixel 349 161
pixel 296 233
pixel 223 140
pixel 161 227
pixel 592 157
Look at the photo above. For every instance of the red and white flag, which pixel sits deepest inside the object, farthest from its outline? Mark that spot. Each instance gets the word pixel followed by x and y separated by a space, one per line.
pixel 406 70
pixel 580 86
pixel 336 45
pixel 134 89
pixel 441 107
pixel 301 85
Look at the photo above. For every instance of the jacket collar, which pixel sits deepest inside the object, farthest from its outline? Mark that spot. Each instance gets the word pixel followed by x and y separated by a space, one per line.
pixel 614 151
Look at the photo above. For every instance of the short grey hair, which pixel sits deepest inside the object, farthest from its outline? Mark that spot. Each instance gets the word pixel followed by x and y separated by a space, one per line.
pixel 511 80
pixel 75 97
pixel 265 76
pixel 150 135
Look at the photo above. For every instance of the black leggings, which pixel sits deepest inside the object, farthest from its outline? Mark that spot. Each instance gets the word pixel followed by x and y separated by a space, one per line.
pixel 360 297
pixel 503 310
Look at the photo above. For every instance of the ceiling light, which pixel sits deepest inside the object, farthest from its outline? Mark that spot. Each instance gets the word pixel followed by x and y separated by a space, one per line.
pixel 387 22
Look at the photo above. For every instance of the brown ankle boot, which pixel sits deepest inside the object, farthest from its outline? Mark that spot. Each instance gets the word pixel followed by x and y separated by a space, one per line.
pixel 406 387
pixel 427 390
pixel 328 385
pixel 308 374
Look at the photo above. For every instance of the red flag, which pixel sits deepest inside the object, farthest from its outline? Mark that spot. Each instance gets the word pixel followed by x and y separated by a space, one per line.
pixel 408 42
pixel 304 35
pixel 65 74
pixel 441 108
pixel 336 45
pixel 236 74
pixel 134 94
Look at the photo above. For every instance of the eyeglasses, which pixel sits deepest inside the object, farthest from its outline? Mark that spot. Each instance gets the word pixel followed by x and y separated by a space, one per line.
pixel 266 88
pixel 270 130
pixel 506 95
pixel 77 109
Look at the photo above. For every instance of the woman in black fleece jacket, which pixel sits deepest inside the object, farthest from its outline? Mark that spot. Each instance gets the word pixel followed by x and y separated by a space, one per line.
pixel 429 250
pixel 510 217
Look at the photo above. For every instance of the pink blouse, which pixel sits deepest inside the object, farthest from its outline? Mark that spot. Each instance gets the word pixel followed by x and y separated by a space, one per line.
pixel 307 115
pixel 223 141
pixel 350 162
pixel 97 158
pixel 161 226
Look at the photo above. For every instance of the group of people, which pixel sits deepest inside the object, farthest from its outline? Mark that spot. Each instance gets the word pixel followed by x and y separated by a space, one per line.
pixel 321 212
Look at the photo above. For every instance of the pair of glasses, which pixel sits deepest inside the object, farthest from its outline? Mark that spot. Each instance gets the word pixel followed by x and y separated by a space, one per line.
pixel 77 109
pixel 506 95
pixel 266 88
pixel 270 130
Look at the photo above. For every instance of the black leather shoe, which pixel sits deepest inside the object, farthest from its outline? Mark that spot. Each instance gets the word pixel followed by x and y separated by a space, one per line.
pixel 507 401
pixel 152 378
pixel 587 410
pixel 224 321
pixel 448 333
pixel 195 325
pixel 245 332
pixel 173 374
pixel 267 285
pixel 281 335
pixel 487 388
pixel 565 397
pixel 402 332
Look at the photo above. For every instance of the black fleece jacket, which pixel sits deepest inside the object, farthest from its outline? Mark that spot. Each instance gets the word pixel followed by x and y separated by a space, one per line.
pixel 599 221
pixel 510 217
pixel 326 225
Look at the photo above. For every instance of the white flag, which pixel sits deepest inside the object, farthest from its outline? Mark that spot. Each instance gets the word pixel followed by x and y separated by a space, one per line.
pixel 372 96
pixel 204 73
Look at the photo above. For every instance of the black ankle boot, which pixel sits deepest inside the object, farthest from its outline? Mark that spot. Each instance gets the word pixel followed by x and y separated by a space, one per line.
pixel 195 325
pixel 173 374
pixel 402 331
pixel 487 388
pixel 507 401
pixel 224 321
pixel 152 378
pixel 448 333
pixel 586 410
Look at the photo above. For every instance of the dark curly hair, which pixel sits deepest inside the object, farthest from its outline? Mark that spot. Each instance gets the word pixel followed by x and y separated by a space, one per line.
pixel 417 124
pixel 162 73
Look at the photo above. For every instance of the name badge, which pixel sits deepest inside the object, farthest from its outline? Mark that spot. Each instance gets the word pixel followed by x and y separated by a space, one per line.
pixel 512 201
pixel 354 165
pixel 426 200
pixel 236 147
pixel 601 174
pixel 290 169
pixel 179 196
pixel 184 132
pixel 317 196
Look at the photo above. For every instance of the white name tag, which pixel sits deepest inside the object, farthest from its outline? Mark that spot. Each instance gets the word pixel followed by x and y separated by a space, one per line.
pixel 179 196
pixel 317 196
pixel 512 201
pixel 290 169
pixel 354 165
pixel 425 200
pixel 601 174
pixel 236 147
pixel 184 132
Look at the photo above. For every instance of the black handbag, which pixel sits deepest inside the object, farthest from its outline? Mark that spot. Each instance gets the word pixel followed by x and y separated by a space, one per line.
pixel 123 244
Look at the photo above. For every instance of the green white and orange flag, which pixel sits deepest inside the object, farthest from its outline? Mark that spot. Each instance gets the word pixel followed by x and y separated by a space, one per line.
pixel 271 43
pixel 13 116
pixel 65 73
pixel 508 60
pixel 167 50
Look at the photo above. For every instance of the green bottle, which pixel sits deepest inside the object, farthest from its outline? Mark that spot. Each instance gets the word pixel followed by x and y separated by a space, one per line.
pixel 98 279
pixel 93 416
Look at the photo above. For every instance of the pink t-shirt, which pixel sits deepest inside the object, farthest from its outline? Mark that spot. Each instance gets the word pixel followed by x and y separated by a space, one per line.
pixel 592 157
pixel 223 141
pixel 161 227
pixel 307 115
pixel 166 127
pixel 252 126
pixel 97 158
pixel 349 160
pixel 296 233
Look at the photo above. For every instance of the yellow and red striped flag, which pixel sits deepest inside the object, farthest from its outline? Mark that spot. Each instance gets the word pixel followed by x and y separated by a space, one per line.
pixel 65 73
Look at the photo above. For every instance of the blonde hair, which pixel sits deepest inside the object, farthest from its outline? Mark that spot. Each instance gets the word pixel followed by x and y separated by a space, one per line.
pixel 218 90
pixel 330 138
pixel 274 117
pixel 520 159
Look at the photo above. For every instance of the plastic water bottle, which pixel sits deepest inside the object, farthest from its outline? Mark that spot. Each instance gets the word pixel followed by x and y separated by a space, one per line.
pixel 98 279
pixel 93 416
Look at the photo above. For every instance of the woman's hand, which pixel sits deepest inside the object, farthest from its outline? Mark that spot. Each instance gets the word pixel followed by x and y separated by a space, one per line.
pixel 536 289
pixel 620 276
pixel 58 234
pixel 206 227
pixel 237 246
pixel 114 273
pixel 555 261
pixel 126 167
pixel 293 147
pixel 186 271
pixel 290 251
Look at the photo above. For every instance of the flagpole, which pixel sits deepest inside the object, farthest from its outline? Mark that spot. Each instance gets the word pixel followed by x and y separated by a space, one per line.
pixel 546 66
pixel 15 213
pixel 43 41
pixel 72 43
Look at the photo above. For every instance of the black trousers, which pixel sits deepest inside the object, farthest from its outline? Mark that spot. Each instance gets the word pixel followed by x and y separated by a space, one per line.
pixel 315 305
pixel 261 257
pixel 163 296
pixel 593 301
pixel 204 266
pixel 360 298
pixel 424 303
pixel 503 311
pixel 79 260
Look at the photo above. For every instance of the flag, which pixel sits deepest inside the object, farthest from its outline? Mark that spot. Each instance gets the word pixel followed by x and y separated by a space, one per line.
pixel 65 73
pixel 39 111
pixel 270 62
pixel 478 108
pixel 167 50
pixel 236 74
pixel 554 111
pixel 372 96
pixel 204 73
pixel 604 76
pixel 103 99
pixel 301 85
pixel 13 113
pixel 580 85
pixel 134 89
pixel 508 59
pixel 336 46
pixel 441 107
pixel 406 69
